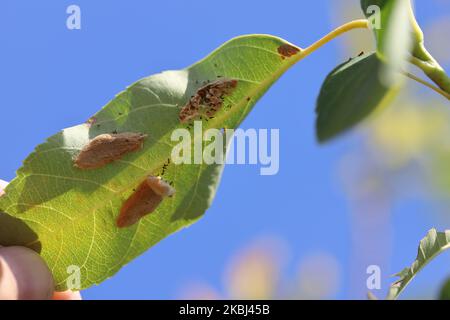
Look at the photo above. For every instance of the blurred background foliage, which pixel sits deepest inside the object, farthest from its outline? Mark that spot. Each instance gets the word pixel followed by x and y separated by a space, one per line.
pixel 402 153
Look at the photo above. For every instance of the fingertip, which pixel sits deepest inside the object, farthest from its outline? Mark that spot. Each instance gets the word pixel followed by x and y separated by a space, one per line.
pixel 24 275
pixel 3 185
pixel 67 295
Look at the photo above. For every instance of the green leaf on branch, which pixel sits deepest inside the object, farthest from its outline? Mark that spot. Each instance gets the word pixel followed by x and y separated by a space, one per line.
pixel 379 13
pixel 349 94
pixel 69 215
pixel 393 27
pixel 401 40
pixel 431 246
pixel 395 23
pixel 444 293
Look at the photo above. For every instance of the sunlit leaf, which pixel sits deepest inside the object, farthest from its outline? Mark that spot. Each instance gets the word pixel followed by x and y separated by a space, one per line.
pixel 383 15
pixel 431 246
pixel 393 28
pixel 68 215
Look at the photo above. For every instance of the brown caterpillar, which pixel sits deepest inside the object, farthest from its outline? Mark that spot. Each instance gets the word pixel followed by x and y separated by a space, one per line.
pixel 144 201
pixel 208 100
pixel 107 148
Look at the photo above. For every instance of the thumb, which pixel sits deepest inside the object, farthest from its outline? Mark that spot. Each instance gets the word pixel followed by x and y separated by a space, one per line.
pixel 3 185
pixel 24 275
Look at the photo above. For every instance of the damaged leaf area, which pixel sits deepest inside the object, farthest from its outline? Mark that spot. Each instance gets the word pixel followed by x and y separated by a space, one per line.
pixel 287 50
pixel 71 216
pixel 208 100
pixel 431 246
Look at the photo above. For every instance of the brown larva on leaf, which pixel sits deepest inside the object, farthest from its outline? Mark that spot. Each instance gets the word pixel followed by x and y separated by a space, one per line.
pixel 144 200
pixel 107 148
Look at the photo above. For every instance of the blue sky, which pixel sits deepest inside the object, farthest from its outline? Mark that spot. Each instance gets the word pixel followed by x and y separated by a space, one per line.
pixel 54 78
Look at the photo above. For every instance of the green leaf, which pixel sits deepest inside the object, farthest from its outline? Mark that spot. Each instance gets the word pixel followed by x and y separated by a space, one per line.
pixel 380 23
pixel 394 34
pixel 68 215
pixel 444 293
pixel 400 40
pixel 431 246
pixel 396 18
pixel 349 94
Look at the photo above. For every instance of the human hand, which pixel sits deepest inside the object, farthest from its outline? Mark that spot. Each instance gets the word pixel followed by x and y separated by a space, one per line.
pixel 24 275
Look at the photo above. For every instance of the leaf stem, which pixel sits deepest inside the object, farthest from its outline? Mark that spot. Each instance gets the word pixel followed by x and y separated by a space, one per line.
pixel 356 24
pixel 424 60
pixel 433 70
pixel 427 84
